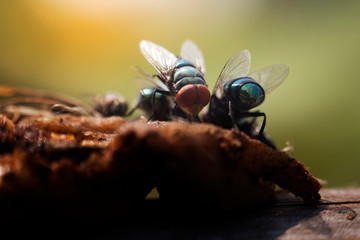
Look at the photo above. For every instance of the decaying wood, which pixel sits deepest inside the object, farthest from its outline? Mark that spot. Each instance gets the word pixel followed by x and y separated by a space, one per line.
pixel 214 167
pixel 91 167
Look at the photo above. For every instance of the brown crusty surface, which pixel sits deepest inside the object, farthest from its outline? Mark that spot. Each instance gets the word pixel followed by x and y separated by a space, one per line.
pixel 92 167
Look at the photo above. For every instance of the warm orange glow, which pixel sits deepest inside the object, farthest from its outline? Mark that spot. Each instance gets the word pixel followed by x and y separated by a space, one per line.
pixel 62 44
pixel 78 32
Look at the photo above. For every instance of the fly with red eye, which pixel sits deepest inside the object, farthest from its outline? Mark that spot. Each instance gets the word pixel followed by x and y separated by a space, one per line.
pixel 182 78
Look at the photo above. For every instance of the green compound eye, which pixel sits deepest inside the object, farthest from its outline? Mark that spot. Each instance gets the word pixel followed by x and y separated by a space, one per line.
pixel 252 94
pixel 244 93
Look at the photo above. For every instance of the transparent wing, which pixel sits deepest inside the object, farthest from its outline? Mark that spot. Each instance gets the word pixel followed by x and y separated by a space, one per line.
pixel 270 77
pixel 153 80
pixel 39 100
pixel 238 66
pixel 191 52
pixel 160 58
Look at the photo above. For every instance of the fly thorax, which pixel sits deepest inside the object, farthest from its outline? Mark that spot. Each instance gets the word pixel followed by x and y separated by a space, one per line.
pixel 218 112
pixel 244 93
pixel 147 97
pixel 185 73
pixel 219 107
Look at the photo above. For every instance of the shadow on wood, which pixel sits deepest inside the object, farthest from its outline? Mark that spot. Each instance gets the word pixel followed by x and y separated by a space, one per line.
pixel 287 218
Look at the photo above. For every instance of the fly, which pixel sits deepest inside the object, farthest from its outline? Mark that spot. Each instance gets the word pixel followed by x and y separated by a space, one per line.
pixel 110 104
pixel 236 92
pixel 182 78
pixel 17 102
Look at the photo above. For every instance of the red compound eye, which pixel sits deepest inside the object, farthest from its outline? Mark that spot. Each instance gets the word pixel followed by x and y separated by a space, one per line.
pixel 203 94
pixel 192 98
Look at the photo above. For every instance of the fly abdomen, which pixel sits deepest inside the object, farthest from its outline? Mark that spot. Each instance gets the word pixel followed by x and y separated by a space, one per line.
pixel 185 73
pixel 188 80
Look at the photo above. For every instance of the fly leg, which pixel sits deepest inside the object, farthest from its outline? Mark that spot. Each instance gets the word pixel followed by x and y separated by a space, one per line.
pixel 177 112
pixel 232 116
pixel 258 114
pixel 261 135
pixel 197 118
pixel 129 113
pixel 192 118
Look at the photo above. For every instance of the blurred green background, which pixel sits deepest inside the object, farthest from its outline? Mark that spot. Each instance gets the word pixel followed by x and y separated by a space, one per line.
pixel 90 46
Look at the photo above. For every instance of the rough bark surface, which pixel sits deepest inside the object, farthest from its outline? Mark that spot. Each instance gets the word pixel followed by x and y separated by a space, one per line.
pixel 91 168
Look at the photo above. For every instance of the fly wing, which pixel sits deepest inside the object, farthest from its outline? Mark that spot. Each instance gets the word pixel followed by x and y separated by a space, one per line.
pixel 270 77
pixel 191 52
pixel 160 58
pixel 238 66
pixel 39 100
pixel 146 81
pixel 146 78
